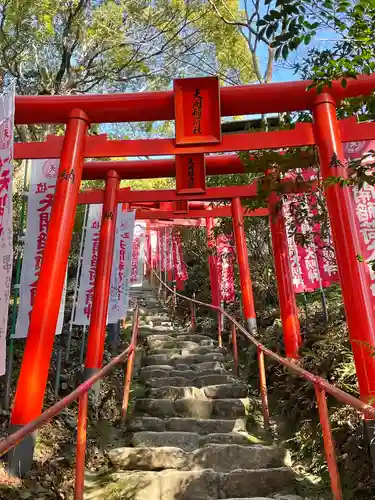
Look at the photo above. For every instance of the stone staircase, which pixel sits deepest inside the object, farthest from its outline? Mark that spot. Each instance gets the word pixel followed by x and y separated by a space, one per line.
pixel 189 436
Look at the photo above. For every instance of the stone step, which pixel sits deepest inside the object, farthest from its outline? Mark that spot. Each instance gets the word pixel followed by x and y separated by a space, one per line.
pixel 207 378
pixel 175 360
pixel 204 484
pixel 192 372
pixel 194 408
pixel 203 366
pixel 219 457
pixel 187 351
pixel 157 330
pixel 155 309
pixel 154 342
pixel 154 317
pixel 193 337
pixel 147 323
pixel 146 331
pixel 152 424
pixel 206 425
pixel 158 339
pixel 199 426
pixel 223 391
pixel 240 438
pixel 190 441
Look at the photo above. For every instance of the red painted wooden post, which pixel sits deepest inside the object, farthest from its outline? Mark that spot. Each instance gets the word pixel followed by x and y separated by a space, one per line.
pixel 193 317
pixel 329 444
pixel 81 446
pixel 174 300
pixel 354 281
pixel 130 366
pixel 98 321
pixel 36 360
pixel 263 388
pixel 287 298
pixel 235 350
pixel 243 265
pixel 180 285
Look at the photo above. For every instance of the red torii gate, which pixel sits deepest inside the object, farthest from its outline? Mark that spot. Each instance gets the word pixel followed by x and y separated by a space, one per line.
pixel 326 132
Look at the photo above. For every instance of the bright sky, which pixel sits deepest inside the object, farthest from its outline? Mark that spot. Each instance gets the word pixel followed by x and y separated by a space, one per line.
pixel 324 38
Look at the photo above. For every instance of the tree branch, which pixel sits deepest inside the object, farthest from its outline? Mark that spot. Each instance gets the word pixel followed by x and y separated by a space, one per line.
pixel 238 23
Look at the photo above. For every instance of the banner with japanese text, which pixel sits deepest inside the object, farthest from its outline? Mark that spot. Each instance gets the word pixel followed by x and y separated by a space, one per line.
pixel 312 258
pixel 365 208
pixel 88 271
pixel 169 249
pixel 40 198
pixel 178 258
pixel 159 250
pixel 121 269
pixel 138 257
pixel 121 266
pixel 225 259
pixel 163 250
pixel 154 248
pixel 6 214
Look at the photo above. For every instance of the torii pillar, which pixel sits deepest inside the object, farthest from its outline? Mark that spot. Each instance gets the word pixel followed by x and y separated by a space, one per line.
pixel 355 283
pixel 33 376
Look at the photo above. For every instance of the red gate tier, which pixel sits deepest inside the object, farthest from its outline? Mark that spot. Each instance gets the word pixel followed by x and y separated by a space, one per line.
pixel 326 132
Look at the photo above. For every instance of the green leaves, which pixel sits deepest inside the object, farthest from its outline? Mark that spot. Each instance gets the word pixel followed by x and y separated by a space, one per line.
pixel 347 29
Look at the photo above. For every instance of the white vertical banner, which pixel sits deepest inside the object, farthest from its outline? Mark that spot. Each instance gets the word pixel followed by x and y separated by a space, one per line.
pixel 138 257
pixel 121 266
pixel 113 304
pixel 6 214
pixel 154 249
pixel 119 299
pixel 90 258
pixel 40 197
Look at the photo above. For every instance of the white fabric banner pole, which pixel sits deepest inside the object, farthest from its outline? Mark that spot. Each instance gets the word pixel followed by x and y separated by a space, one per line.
pixel 39 206
pixel 6 215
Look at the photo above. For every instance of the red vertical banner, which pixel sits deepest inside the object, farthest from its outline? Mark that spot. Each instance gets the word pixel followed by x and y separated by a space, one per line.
pixel 169 253
pixel 153 248
pixel 161 250
pixel 295 266
pixel 190 174
pixel 365 207
pixel 178 258
pixel 197 110
pixel 212 265
pixel 312 258
pixel 225 267
pixel 158 250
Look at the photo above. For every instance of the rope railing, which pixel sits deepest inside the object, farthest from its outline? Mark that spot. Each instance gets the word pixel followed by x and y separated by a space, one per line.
pixel 129 353
pixel 322 386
